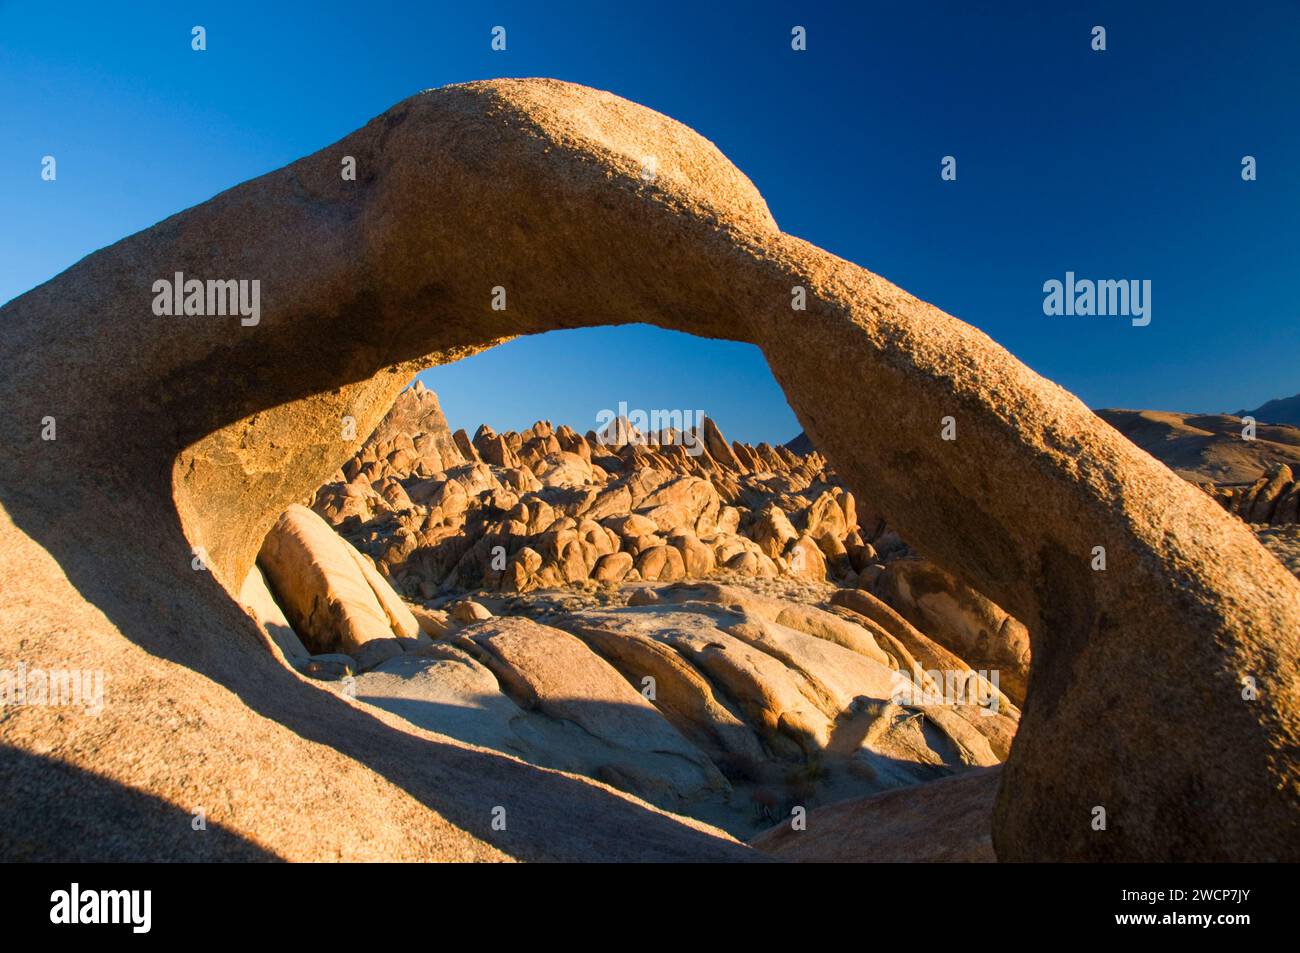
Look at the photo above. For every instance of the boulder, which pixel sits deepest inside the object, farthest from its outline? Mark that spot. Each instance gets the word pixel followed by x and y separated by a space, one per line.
pixel 777 702
pixel 697 558
pixel 331 667
pixel 612 567
pixel 684 696
pixel 957 617
pixel 803 557
pixel 660 563
pixel 261 605
pixel 448 691
pixel 914 650
pixel 1265 500
pixel 557 674
pixel 318 580
pixel 773 532
pixel 467 610
pixel 803 618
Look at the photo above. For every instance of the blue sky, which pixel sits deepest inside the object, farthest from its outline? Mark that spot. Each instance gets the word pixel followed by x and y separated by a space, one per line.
pixel 1120 164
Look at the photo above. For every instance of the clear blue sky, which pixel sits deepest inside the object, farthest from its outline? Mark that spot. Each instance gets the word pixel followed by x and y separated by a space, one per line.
pixel 1122 164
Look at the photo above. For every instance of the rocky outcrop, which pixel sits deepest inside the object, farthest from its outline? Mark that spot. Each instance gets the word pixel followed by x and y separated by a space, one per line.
pixel 712 701
pixel 199 433
pixel 800 711
pixel 960 619
pixel 1273 499
pixel 549 507
pixel 539 694
pixel 549 670
pixel 413 436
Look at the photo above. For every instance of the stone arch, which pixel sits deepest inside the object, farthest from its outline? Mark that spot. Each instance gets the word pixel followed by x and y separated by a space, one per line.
pixel 183 432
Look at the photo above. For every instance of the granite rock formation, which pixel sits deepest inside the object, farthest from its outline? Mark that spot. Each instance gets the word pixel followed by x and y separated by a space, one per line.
pixel 1273 499
pixel 707 698
pixel 549 507
pixel 197 433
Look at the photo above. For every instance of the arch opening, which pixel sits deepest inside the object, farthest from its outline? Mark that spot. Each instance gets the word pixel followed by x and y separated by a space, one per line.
pixel 634 546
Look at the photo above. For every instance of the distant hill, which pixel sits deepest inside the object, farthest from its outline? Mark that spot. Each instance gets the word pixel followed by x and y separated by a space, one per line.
pixel 1201 447
pixel 1198 447
pixel 802 445
pixel 1283 410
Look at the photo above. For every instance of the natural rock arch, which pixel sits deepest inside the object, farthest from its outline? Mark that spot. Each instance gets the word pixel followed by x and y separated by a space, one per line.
pixel 179 432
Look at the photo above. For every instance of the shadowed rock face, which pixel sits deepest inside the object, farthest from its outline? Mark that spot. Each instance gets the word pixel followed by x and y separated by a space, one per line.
pixel 176 433
pixel 943 821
